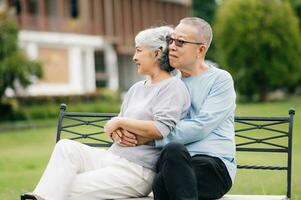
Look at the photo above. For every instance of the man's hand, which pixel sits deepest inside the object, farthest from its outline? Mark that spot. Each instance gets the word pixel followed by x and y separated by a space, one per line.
pixel 124 138
pixel 143 140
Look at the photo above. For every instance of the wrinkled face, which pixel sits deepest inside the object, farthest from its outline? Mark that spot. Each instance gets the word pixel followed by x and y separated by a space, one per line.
pixel 184 56
pixel 145 60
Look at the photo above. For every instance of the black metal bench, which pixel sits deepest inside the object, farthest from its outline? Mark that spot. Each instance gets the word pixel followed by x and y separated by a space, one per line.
pixel 253 135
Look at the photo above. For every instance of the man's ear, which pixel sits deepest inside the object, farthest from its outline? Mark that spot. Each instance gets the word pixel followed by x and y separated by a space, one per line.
pixel 202 49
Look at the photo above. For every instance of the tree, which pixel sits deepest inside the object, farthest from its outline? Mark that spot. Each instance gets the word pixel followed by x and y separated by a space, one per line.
pixel 14 65
pixel 296 4
pixel 206 9
pixel 259 43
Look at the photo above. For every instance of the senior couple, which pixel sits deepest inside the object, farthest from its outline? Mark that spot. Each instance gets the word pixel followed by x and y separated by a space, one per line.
pixel 173 136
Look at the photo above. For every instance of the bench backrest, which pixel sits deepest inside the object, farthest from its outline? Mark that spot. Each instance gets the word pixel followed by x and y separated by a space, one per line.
pixel 266 135
pixel 253 134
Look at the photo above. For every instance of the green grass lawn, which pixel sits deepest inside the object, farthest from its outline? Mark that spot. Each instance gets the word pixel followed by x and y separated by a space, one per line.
pixel 24 154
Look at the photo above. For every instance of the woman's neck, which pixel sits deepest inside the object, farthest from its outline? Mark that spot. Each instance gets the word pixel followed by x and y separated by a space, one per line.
pixel 159 76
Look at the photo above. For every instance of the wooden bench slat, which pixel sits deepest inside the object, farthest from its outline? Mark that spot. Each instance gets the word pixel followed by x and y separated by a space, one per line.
pixel 141 198
pixel 234 197
pixel 253 197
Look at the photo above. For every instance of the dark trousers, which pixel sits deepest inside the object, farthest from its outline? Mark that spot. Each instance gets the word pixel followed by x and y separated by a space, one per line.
pixel 182 177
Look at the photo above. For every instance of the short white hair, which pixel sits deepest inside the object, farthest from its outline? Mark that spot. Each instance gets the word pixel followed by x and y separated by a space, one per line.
pixel 204 30
pixel 154 38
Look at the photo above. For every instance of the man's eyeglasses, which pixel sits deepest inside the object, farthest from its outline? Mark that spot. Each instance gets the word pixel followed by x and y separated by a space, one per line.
pixel 179 43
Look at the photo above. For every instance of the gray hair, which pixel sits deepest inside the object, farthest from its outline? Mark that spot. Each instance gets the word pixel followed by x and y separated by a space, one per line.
pixel 153 39
pixel 204 30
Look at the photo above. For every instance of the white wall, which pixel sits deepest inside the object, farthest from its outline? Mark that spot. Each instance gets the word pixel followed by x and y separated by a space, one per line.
pixel 80 60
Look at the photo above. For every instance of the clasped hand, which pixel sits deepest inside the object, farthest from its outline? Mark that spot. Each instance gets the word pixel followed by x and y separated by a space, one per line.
pixel 122 136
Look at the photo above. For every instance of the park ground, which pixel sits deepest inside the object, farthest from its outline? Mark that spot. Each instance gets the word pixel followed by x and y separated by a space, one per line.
pixel 24 153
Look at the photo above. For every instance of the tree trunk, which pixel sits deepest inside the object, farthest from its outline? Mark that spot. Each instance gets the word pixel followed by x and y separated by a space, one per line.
pixel 263 93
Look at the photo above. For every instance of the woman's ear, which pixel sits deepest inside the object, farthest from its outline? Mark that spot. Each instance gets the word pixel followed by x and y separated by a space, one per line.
pixel 158 53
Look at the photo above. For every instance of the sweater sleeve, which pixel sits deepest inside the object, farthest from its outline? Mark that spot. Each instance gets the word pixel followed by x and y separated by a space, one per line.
pixel 219 104
pixel 127 99
pixel 170 105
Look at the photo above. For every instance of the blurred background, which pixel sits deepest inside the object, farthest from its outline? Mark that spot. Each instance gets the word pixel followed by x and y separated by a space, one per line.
pixel 79 52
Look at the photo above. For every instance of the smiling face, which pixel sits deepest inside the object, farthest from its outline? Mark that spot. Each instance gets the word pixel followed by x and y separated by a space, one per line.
pixel 145 59
pixel 186 56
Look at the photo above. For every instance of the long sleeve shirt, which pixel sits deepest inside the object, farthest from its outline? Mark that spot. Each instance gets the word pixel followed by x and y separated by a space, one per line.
pixel 164 103
pixel 209 127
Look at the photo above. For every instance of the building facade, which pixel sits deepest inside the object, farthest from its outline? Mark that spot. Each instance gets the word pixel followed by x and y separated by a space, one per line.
pixel 85 44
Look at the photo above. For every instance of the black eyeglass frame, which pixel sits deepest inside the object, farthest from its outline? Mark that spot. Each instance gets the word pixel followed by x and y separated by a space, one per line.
pixel 179 42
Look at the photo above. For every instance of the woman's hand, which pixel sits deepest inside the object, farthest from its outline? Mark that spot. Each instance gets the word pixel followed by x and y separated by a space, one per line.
pixel 112 125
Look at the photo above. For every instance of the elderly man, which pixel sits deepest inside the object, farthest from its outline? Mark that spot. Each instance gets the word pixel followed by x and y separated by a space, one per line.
pixel 198 156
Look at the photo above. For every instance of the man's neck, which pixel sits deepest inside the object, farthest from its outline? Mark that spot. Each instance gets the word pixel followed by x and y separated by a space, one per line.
pixel 198 69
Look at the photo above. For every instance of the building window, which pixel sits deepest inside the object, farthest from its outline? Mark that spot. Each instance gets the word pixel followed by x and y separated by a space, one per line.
pixel 16 5
pixel 73 8
pixel 51 8
pixel 33 7
pixel 100 69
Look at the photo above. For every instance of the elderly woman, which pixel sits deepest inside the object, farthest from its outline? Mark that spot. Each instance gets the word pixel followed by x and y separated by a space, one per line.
pixel 151 108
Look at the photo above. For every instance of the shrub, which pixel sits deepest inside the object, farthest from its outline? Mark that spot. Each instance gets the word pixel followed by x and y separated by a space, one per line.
pixel 259 43
pixel 45 107
pixel 14 65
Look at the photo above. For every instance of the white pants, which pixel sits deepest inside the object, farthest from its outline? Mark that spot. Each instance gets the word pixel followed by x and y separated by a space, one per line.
pixel 77 171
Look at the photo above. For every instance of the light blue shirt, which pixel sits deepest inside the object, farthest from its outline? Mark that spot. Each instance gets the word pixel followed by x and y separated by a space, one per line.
pixel 209 127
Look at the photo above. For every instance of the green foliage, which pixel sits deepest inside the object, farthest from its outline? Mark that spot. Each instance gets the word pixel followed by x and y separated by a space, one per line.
pixel 259 43
pixel 206 10
pixel 50 109
pixel 296 4
pixel 14 65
